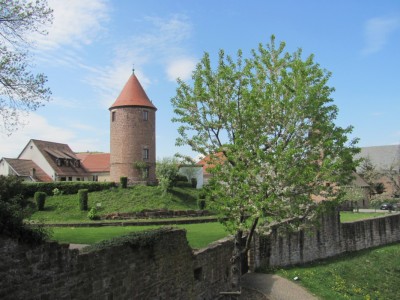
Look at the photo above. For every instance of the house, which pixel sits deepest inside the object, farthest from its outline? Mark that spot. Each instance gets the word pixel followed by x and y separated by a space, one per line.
pixel 386 159
pixel 97 164
pixel 45 161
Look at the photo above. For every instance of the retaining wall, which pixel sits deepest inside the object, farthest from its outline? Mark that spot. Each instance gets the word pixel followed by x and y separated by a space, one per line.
pixel 164 268
pixel 329 239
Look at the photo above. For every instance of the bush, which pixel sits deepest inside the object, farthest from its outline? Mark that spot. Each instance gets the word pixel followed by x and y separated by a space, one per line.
pixel 201 201
pixel 28 189
pixel 167 173
pixel 194 182
pixel 40 198
pixel 92 214
pixel 83 199
pixel 124 182
pixel 11 216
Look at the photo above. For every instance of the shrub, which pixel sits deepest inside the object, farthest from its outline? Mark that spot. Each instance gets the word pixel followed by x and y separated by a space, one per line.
pixel 201 201
pixel 28 189
pixel 167 172
pixel 83 199
pixel 40 198
pixel 92 214
pixel 124 182
pixel 194 182
pixel 11 216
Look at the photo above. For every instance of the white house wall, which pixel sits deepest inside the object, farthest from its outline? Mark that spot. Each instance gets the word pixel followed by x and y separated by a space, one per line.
pixel 198 174
pixel 4 168
pixel 32 152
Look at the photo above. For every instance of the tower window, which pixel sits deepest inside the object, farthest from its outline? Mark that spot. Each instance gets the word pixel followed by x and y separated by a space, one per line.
pixel 145 153
pixel 145 173
pixel 145 115
pixel 112 116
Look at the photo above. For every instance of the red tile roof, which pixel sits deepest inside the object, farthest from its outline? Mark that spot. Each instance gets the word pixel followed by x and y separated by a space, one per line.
pixel 95 162
pixel 133 95
pixel 209 161
pixel 23 168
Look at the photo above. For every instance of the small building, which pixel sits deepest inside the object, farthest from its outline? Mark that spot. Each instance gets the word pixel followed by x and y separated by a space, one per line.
pixel 97 164
pixel 45 161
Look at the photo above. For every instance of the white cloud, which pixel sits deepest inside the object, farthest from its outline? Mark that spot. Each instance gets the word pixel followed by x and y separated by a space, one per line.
pixel 75 23
pixel 160 43
pixel 377 32
pixel 181 68
pixel 37 127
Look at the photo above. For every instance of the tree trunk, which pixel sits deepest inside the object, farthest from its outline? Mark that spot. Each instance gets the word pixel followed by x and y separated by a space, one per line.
pixel 236 263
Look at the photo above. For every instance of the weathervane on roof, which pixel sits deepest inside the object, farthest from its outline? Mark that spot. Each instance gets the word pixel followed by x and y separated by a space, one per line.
pixel 133 68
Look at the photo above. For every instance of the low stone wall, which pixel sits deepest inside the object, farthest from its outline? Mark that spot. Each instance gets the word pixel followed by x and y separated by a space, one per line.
pixel 162 266
pixel 329 239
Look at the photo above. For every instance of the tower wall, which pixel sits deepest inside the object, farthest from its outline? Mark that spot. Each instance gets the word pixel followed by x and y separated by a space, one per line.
pixel 130 135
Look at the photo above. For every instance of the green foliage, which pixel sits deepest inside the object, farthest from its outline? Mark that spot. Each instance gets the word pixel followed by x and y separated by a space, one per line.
pixel 141 166
pixel 63 208
pixel 92 214
pixel 11 213
pixel 40 199
pixel 167 173
pixel 345 277
pixel 83 199
pixel 21 90
pixel 10 186
pixel 201 201
pixel 267 123
pixel 64 187
pixel 356 216
pixel 123 182
pixel 379 188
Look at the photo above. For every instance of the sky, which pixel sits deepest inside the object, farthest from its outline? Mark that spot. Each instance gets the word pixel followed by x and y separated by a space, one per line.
pixel 93 45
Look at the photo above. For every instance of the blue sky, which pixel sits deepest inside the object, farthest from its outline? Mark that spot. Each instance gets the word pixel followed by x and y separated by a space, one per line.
pixel 92 45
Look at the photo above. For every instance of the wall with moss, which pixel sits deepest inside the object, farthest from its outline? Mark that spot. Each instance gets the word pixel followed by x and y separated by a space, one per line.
pixel 157 265
pixel 330 238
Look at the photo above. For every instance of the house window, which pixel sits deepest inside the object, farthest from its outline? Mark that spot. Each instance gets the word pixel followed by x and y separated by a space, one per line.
pixel 78 179
pixel 69 178
pixel 59 162
pixel 67 162
pixel 63 178
pixel 145 115
pixel 77 163
pixel 113 116
pixel 95 178
pixel 145 153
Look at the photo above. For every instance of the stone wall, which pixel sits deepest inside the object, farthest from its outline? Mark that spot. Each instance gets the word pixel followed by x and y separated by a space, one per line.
pixel 330 238
pixel 164 267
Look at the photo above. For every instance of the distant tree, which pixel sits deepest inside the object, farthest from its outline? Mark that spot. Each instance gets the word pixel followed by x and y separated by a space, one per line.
pixel 20 89
pixel 268 124
pixel 379 188
pixel 166 172
pixel 369 173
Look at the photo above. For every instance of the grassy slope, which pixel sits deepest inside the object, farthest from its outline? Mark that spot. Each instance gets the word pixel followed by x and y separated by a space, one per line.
pixel 198 235
pixel 369 274
pixel 65 208
pixel 346 216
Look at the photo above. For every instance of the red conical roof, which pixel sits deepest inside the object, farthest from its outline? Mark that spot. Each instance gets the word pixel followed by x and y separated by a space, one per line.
pixel 133 95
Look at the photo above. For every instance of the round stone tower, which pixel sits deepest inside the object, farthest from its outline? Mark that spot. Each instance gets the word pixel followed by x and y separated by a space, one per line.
pixel 133 135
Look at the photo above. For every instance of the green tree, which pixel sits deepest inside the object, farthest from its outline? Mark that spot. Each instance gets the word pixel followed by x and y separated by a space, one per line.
pixel 20 89
pixel 268 123
pixel 369 173
pixel 166 172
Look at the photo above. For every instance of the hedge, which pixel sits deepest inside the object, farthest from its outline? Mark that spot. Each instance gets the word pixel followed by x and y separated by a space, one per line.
pixel 83 199
pixel 40 198
pixel 66 187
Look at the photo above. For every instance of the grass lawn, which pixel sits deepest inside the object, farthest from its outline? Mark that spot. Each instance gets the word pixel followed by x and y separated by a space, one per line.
pixel 198 235
pixel 64 208
pixel 348 216
pixel 368 274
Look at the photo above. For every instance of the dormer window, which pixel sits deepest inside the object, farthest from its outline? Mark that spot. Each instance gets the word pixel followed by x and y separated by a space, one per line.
pixel 77 163
pixel 145 115
pixel 67 162
pixel 58 162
